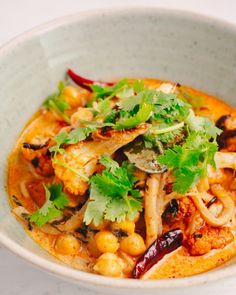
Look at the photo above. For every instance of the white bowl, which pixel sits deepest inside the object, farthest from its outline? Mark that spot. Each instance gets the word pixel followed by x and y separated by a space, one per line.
pixel 144 42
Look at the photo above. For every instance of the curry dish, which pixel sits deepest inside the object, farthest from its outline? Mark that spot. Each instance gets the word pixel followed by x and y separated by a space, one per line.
pixel 130 179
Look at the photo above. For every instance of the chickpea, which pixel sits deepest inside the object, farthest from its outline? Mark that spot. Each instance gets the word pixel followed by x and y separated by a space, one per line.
pixel 133 245
pixel 106 241
pixel 92 248
pixel 75 96
pixel 128 262
pixel 127 226
pixel 82 114
pixel 67 245
pixel 108 264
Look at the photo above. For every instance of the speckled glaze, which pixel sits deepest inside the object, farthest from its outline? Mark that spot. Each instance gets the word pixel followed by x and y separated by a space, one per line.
pixel 145 42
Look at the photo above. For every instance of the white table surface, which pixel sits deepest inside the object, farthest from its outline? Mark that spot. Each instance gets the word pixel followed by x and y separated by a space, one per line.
pixel 16 16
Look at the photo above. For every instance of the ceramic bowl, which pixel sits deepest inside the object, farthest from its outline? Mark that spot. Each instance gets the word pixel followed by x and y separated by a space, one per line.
pixel 133 42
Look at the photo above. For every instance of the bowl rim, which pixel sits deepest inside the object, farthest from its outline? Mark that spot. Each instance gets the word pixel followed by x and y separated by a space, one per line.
pixel 61 270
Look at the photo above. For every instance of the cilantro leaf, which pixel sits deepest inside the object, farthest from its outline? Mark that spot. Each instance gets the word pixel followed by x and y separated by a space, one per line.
pixel 110 184
pixel 116 210
pixel 110 164
pixel 203 125
pixel 129 103
pixel 189 161
pixel 100 91
pixel 75 136
pixel 57 103
pixel 111 117
pixel 186 176
pixel 112 195
pixel 119 210
pixel 125 93
pixel 79 134
pixel 110 91
pixel 96 207
pixel 163 140
pixel 130 169
pixel 60 139
pixel 104 107
pixel 169 108
pixel 164 134
pixel 141 116
pixel 56 200
pixel 138 86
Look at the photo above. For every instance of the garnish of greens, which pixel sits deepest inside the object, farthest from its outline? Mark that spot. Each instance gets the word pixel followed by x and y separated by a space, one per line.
pixel 56 200
pixel 189 160
pixel 181 141
pixel 112 193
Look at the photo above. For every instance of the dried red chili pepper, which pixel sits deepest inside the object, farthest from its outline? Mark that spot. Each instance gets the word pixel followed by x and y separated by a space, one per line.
pixel 84 82
pixel 167 243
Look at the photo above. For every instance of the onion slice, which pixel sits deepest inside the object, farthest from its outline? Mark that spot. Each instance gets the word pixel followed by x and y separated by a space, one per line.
pixel 223 197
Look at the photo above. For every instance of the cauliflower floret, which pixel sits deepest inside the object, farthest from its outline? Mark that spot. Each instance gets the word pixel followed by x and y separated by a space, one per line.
pixel 37 137
pixel 181 217
pixel 76 96
pixel 208 238
pixel 227 139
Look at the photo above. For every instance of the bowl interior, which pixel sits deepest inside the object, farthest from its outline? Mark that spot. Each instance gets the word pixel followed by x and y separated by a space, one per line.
pixel 178 46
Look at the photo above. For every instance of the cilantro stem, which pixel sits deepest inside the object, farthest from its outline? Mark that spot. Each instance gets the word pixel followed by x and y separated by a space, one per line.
pixel 63 164
pixel 128 203
pixel 64 116
pixel 156 131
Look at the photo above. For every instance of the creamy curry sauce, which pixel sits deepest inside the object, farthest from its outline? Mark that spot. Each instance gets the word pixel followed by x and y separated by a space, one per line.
pixel 28 169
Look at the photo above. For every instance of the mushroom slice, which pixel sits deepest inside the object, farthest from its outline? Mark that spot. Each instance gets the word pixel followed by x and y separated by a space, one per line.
pixel 153 203
pixel 143 158
pixel 80 160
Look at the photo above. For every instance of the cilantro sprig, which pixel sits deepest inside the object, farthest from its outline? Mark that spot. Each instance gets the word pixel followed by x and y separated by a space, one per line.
pixel 164 134
pixel 73 137
pixel 112 193
pixel 56 200
pixel 141 116
pixel 189 161
pixel 56 102
pixel 169 108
